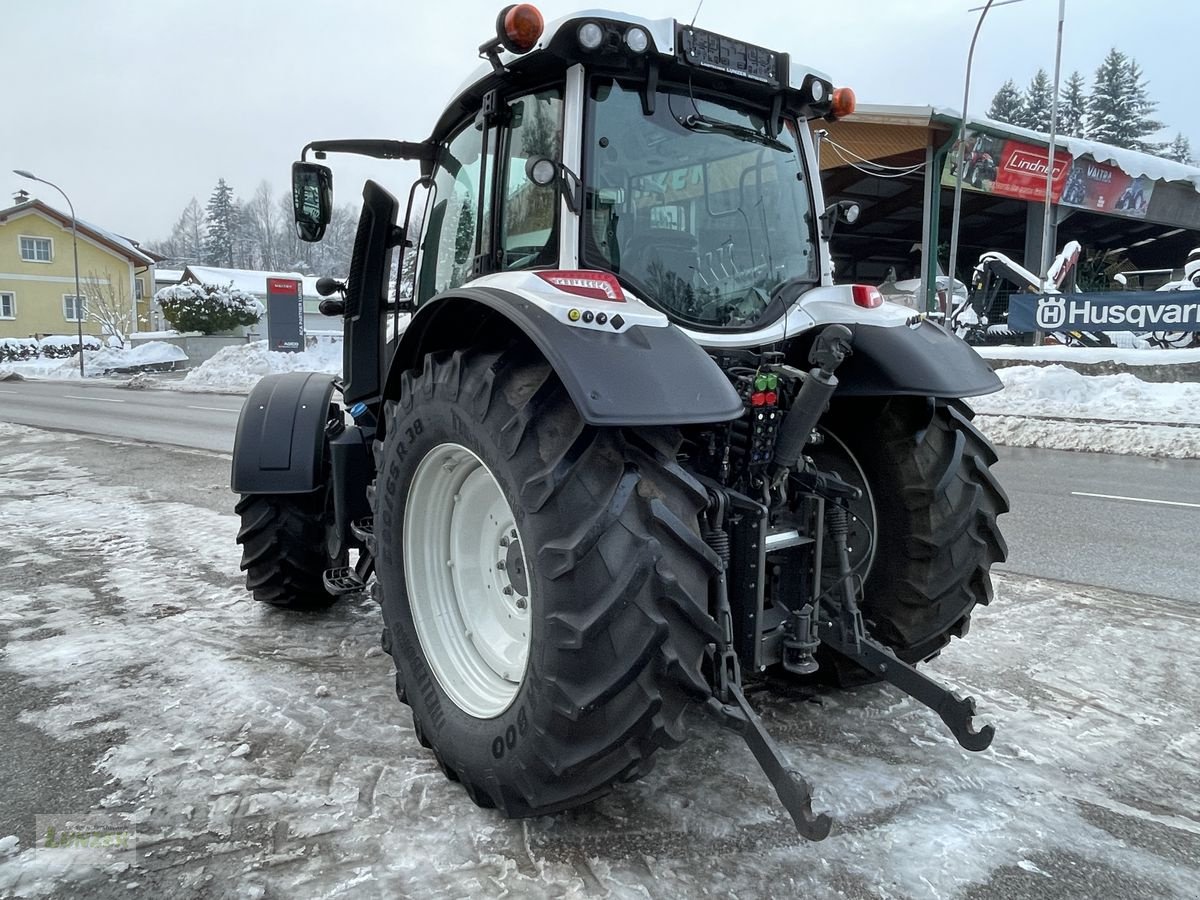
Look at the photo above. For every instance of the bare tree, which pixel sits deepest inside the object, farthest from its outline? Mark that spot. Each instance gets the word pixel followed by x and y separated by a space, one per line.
pixel 107 302
pixel 261 219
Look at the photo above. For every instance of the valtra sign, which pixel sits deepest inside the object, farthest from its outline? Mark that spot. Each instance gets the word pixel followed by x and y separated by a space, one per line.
pixel 1113 311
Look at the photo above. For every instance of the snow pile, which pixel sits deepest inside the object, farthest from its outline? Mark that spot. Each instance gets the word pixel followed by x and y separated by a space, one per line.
pixel 1059 391
pixel 1057 408
pixel 238 369
pixel 151 353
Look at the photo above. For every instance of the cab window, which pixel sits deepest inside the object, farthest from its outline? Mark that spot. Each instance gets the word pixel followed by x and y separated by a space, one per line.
pixel 529 225
pixel 448 245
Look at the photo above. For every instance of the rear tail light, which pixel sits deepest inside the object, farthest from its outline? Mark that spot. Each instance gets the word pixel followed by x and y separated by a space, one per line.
pixel 585 283
pixel 866 295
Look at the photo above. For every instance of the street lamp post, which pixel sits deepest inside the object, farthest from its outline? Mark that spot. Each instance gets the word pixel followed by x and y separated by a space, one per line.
pixel 75 248
pixel 961 161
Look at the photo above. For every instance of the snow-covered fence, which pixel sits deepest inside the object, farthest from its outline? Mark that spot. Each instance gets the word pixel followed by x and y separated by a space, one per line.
pixel 56 346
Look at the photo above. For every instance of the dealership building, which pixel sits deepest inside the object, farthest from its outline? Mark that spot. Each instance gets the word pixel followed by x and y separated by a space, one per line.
pixel 899 163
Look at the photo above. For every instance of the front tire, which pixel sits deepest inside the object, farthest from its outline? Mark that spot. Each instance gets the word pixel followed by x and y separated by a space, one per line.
pixel 284 548
pixel 615 583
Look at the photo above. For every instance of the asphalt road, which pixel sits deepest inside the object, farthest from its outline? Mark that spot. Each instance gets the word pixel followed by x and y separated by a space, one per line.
pixel 199 421
pixel 251 752
pixel 1055 530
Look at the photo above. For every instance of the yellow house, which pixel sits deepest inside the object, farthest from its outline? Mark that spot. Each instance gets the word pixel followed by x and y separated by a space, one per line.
pixel 37 275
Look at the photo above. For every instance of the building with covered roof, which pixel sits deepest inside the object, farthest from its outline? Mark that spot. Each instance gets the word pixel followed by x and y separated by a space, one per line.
pixel 254 281
pixel 898 163
pixel 37 272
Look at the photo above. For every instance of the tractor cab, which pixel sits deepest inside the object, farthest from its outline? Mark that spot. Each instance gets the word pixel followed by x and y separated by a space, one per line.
pixel 671 164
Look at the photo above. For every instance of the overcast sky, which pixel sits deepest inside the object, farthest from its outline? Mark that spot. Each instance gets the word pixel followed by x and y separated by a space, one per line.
pixel 136 106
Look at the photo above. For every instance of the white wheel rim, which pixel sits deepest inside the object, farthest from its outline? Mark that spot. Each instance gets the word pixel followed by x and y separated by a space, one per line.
pixel 461 545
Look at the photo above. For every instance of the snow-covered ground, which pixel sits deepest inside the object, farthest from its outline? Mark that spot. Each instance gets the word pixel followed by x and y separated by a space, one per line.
pixel 1059 353
pixel 98 362
pixel 1020 415
pixel 238 369
pixel 259 753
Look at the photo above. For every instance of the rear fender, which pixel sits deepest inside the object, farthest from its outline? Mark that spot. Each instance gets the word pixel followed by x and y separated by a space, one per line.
pixel 642 375
pixel 923 359
pixel 279 447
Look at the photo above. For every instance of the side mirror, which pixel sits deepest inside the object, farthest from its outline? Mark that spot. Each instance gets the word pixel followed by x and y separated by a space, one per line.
pixel 312 199
pixel 846 211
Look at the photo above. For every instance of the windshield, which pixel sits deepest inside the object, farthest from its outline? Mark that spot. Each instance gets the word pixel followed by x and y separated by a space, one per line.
pixel 696 207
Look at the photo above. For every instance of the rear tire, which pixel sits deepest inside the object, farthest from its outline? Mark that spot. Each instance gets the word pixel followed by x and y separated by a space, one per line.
pixel 936 505
pixel 615 573
pixel 284 549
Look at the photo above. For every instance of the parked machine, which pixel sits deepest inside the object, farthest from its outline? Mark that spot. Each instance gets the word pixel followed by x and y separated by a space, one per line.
pixel 635 450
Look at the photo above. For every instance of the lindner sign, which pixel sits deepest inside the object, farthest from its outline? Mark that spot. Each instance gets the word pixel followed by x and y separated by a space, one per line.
pixel 1114 311
pixel 285 315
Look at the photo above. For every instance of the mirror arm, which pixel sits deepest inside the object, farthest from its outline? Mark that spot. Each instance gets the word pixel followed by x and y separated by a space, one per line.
pixel 377 149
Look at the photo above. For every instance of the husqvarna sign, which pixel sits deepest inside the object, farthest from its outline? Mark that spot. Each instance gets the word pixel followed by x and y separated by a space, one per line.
pixel 1115 311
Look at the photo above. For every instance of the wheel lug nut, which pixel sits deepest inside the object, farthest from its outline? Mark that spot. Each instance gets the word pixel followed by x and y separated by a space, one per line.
pixel 508 589
pixel 514 534
pixel 504 541
pixel 522 603
pixel 500 565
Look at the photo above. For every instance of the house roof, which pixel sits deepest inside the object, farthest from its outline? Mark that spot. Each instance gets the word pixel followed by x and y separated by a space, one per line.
pixel 126 247
pixel 252 281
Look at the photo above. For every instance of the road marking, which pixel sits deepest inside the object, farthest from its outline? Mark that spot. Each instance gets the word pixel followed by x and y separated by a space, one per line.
pixel 1136 499
pixel 101 399
pixel 216 409
pixel 5 391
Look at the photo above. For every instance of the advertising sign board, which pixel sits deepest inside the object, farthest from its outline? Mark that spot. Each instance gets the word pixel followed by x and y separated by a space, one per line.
pixel 285 315
pixel 1112 311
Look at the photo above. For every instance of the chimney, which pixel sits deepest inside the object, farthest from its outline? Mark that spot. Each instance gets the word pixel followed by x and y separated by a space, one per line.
pixel 21 196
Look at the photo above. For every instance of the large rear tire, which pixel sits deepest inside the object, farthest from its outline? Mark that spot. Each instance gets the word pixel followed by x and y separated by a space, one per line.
pixel 284 548
pixel 607 621
pixel 936 503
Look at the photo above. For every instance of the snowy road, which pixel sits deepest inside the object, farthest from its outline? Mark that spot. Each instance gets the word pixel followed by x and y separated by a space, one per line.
pixel 262 754
pixel 1053 532
pixel 202 421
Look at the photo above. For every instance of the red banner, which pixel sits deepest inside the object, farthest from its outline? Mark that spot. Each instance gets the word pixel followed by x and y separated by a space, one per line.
pixel 1105 188
pixel 1009 168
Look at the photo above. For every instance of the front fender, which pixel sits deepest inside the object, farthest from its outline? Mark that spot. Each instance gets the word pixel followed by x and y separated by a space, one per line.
pixel 279 447
pixel 918 360
pixel 641 376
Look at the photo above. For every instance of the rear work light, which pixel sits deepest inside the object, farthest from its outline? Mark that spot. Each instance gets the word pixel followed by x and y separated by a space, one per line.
pixel 585 283
pixel 866 295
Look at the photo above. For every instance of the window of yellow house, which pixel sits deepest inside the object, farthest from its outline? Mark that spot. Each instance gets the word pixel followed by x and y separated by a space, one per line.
pixel 8 305
pixel 74 308
pixel 137 289
pixel 36 249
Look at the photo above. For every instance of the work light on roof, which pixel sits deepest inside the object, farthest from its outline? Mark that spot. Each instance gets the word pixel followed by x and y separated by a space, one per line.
pixel 637 40
pixel 591 35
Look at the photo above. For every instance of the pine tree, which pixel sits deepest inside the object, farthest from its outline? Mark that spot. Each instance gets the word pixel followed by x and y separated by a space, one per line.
pixel 1007 105
pixel 222 226
pixel 1073 106
pixel 1179 150
pixel 1110 112
pixel 1143 108
pixel 1036 103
